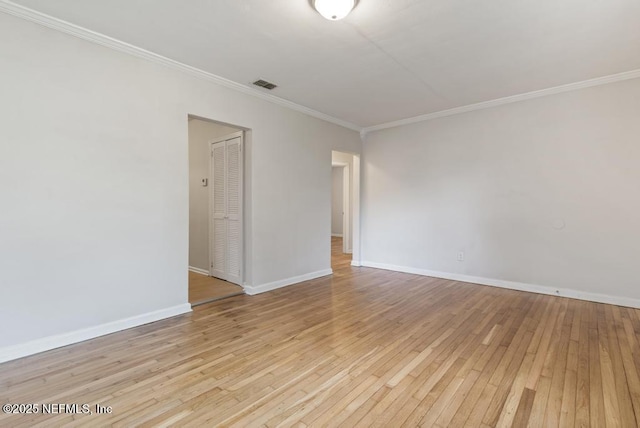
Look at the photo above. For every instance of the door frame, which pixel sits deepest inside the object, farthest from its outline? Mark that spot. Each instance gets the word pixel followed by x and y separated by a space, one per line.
pixel 240 201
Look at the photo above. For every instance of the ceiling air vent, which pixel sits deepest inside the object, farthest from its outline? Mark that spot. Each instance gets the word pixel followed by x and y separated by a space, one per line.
pixel 265 84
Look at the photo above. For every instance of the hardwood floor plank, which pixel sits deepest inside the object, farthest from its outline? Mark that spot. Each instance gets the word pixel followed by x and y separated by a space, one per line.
pixel 554 402
pixel 512 402
pixel 596 399
pixel 583 372
pixel 569 393
pixel 620 375
pixel 539 405
pixel 449 381
pixel 626 345
pixel 456 401
pixel 611 400
pixel 521 417
pixel 515 362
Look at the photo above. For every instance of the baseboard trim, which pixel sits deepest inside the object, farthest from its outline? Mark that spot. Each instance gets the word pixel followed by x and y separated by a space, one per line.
pixel 198 270
pixel 257 289
pixel 355 263
pixel 14 352
pixel 512 285
pixel 336 235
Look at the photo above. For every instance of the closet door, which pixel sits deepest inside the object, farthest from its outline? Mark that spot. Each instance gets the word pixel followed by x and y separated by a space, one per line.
pixel 233 255
pixel 226 210
pixel 218 245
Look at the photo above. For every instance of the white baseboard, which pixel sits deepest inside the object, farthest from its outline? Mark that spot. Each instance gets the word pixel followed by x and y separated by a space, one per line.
pixel 14 352
pixel 337 235
pixel 198 270
pixel 355 263
pixel 257 289
pixel 512 285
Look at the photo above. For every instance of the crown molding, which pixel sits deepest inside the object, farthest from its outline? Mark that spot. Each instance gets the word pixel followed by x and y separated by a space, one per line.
pixel 634 74
pixel 25 13
pixel 109 42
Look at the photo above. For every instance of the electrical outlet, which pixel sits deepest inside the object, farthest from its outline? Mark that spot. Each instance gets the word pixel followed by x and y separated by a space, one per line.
pixel 461 256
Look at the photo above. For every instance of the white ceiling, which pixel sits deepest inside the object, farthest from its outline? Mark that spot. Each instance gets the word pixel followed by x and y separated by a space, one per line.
pixel 389 59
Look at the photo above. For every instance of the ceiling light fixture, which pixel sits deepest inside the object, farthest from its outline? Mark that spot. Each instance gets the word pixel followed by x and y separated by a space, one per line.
pixel 334 10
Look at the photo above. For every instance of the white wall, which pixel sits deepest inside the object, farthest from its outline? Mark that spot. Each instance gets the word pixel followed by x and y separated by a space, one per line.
pixel 543 192
pixel 201 133
pixel 94 183
pixel 337 200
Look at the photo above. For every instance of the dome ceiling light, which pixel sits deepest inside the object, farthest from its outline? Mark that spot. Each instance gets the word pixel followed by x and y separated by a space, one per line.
pixel 334 10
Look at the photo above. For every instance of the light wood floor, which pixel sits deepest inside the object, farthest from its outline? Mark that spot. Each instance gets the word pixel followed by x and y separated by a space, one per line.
pixel 362 348
pixel 204 289
pixel 340 262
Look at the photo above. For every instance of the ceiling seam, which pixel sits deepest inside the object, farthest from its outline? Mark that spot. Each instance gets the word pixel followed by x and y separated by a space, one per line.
pixel 396 61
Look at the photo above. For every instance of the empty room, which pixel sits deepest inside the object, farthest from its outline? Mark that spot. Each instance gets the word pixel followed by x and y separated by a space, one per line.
pixel 416 212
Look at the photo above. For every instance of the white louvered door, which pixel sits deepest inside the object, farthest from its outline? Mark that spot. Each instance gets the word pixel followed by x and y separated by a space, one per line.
pixel 226 210
pixel 218 211
pixel 234 210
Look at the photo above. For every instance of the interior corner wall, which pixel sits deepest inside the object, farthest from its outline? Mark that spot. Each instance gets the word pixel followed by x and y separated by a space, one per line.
pixel 201 134
pixel 543 192
pixel 95 187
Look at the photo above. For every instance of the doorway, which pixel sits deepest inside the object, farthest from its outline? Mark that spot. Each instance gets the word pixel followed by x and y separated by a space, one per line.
pixel 204 179
pixel 344 202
